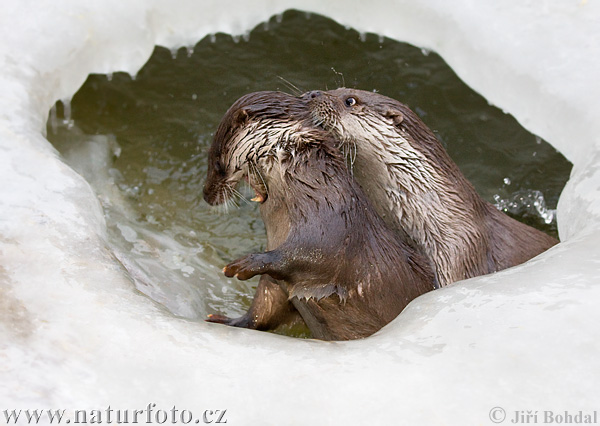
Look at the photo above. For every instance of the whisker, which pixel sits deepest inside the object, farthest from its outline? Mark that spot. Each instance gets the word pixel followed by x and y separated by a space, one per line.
pixel 319 122
pixel 223 208
pixel 291 86
pixel 339 74
pixel 353 151
pixel 261 177
pixel 231 199
pixel 349 151
pixel 227 199
pixel 240 196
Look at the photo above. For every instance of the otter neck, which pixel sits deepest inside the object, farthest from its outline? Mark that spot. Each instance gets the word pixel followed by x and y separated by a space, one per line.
pixel 298 184
pixel 434 205
pixel 276 217
pixel 295 176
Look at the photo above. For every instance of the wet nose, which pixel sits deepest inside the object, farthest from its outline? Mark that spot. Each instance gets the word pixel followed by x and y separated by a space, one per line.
pixel 314 94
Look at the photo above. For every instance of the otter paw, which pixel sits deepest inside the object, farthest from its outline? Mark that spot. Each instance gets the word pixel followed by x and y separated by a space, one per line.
pixel 242 322
pixel 219 319
pixel 244 268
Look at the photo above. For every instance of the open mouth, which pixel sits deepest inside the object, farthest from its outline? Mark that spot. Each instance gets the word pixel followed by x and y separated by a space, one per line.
pixel 259 198
pixel 259 188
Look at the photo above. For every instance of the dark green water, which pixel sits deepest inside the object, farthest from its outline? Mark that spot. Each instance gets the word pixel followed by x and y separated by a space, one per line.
pixel 142 144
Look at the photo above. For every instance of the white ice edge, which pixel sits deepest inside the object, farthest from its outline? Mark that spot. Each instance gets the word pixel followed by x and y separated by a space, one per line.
pixel 75 334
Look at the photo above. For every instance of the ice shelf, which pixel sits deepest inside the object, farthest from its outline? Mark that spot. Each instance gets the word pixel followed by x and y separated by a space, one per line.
pixel 74 333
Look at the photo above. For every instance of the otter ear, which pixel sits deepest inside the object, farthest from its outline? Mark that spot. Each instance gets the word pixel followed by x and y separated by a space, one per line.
pixel 241 116
pixel 396 116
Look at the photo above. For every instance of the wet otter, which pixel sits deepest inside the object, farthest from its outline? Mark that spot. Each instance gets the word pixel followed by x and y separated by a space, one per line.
pixel 338 264
pixel 417 188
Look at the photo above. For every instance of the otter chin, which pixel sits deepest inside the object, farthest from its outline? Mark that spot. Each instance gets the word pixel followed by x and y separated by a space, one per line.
pixel 417 188
pixel 331 260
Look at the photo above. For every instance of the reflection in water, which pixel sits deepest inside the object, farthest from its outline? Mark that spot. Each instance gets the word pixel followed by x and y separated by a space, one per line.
pixel 141 144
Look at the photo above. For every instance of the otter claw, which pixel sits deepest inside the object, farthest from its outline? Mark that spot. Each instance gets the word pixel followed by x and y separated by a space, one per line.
pixel 243 269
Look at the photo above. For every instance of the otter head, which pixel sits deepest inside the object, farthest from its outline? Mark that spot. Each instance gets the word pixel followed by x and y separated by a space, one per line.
pixel 370 129
pixel 248 141
pixel 354 115
pixel 394 149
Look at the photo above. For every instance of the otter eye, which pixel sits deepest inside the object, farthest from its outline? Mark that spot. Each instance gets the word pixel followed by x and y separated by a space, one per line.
pixel 350 101
pixel 219 169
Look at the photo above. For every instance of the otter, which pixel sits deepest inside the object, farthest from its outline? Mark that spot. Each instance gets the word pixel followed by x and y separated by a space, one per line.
pixel 417 188
pixel 336 261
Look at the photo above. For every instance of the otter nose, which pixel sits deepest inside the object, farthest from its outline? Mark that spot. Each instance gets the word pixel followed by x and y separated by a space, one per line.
pixel 314 94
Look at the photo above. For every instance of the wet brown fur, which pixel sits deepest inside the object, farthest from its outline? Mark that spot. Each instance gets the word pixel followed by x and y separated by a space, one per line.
pixel 338 264
pixel 419 190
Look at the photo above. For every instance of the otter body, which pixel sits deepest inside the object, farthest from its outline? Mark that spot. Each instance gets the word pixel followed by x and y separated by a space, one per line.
pixel 410 179
pixel 417 188
pixel 338 264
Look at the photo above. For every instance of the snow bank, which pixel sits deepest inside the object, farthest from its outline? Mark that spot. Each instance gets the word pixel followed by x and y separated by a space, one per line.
pixel 75 334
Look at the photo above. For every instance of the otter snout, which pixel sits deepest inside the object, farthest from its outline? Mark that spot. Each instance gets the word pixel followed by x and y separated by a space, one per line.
pixel 210 196
pixel 323 109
